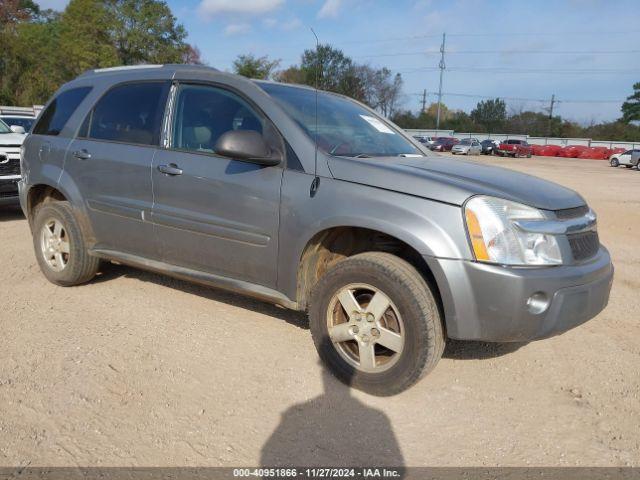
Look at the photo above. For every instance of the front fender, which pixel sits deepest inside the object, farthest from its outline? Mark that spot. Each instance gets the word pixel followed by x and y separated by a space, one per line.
pixel 431 228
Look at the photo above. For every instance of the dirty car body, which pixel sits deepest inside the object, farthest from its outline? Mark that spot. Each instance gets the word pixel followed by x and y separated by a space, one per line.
pixel 182 204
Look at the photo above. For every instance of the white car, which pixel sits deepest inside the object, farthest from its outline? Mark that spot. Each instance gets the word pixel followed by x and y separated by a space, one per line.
pixel 628 158
pixel 10 143
pixel 19 123
pixel 467 146
pixel 425 139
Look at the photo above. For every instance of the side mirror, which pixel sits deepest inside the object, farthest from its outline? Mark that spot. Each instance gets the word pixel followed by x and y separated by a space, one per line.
pixel 246 145
pixel 17 129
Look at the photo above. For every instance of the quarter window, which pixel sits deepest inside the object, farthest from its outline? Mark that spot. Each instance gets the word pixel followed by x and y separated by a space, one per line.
pixel 204 113
pixel 130 113
pixel 56 115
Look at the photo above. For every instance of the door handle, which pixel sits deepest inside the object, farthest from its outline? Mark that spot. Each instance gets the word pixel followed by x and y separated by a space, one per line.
pixel 82 154
pixel 171 169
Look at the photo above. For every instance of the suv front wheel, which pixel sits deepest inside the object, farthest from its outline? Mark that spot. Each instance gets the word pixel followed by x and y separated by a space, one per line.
pixel 59 246
pixel 375 323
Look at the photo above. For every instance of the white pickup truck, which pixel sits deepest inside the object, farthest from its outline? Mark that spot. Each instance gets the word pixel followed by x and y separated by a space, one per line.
pixel 10 143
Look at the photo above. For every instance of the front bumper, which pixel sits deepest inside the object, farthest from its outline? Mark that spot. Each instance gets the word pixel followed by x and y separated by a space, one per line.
pixel 489 302
pixel 9 191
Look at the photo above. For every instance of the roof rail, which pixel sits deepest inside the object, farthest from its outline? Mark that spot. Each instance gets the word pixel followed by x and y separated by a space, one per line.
pixel 125 67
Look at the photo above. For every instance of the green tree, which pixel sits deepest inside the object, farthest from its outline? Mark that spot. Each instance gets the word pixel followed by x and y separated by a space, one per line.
pixel 13 12
pixel 40 65
pixel 331 69
pixel 145 31
pixel 85 37
pixel 290 75
pixel 490 114
pixel 251 66
pixel 631 108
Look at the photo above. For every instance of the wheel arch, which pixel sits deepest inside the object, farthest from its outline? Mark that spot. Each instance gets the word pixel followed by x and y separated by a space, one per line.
pixel 334 243
pixel 43 192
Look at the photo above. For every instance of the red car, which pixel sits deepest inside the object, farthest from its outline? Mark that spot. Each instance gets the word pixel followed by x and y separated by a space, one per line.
pixel 514 148
pixel 444 144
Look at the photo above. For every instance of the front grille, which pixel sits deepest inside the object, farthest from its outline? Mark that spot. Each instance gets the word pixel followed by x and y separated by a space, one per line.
pixel 9 166
pixel 572 212
pixel 584 245
pixel 9 194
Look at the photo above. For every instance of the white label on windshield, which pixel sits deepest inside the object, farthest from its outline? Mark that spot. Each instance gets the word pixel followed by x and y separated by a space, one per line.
pixel 377 124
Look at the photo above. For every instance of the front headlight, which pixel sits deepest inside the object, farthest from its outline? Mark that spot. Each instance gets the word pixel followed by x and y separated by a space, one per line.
pixel 496 238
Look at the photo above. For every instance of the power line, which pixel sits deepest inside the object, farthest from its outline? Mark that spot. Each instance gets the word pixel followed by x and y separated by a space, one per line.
pixel 504 52
pixel 497 34
pixel 522 99
pixel 556 71
pixel 540 52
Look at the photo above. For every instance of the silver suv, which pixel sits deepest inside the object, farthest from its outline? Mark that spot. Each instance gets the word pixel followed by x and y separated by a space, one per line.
pixel 311 201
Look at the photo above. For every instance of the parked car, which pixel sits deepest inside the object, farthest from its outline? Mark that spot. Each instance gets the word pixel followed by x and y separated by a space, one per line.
pixel 514 148
pixel 10 144
pixel 221 180
pixel 467 146
pixel 426 140
pixel 24 122
pixel 489 146
pixel 444 144
pixel 628 158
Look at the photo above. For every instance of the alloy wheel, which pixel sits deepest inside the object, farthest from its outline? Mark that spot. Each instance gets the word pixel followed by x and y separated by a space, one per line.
pixel 54 243
pixel 365 328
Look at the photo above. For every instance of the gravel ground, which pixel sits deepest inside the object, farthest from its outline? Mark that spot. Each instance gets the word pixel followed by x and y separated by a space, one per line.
pixel 135 369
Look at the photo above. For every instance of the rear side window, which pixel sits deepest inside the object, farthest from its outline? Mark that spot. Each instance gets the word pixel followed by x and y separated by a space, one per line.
pixel 129 113
pixel 55 117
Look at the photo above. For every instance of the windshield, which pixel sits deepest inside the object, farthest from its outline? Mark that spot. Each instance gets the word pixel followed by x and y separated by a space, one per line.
pixel 443 141
pixel 344 127
pixel 23 122
pixel 466 141
pixel 4 128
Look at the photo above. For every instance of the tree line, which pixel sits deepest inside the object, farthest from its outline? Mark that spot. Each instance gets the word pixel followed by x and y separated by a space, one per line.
pixel 332 70
pixel 42 49
pixel 492 116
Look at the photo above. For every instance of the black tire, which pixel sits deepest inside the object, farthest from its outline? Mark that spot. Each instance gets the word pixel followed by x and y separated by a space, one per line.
pixel 80 267
pixel 424 337
pixel 614 162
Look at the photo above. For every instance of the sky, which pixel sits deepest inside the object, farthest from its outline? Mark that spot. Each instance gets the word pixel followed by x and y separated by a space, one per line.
pixel 585 52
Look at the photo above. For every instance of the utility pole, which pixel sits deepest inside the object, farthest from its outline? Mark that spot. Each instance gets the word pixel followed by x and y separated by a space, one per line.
pixel 442 67
pixel 424 99
pixel 553 101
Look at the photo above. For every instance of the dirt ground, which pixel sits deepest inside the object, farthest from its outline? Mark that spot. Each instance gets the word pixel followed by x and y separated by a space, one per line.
pixel 135 369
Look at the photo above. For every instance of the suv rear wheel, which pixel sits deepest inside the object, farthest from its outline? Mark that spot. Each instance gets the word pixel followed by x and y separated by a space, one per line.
pixel 375 323
pixel 60 247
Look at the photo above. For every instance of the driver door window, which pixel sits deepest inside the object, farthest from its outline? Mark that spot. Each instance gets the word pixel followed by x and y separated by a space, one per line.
pixel 204 113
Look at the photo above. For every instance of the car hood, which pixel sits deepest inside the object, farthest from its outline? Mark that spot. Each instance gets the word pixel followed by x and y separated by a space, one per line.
pixel 11 138
pixel 452 181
